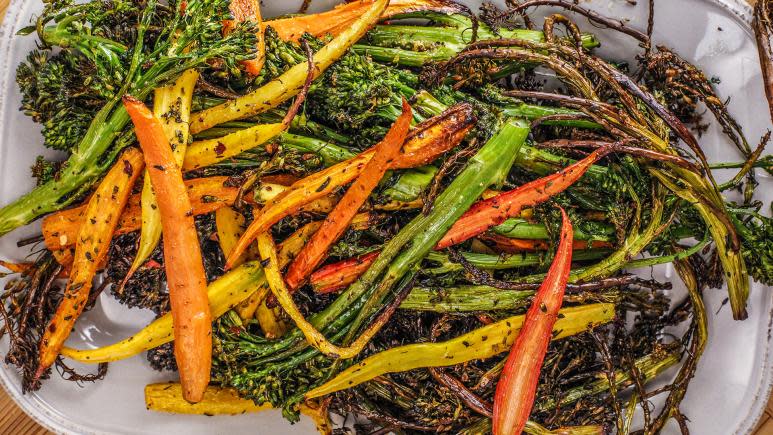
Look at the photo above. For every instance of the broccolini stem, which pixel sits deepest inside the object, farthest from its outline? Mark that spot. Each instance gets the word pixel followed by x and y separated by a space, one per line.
pixel 415 46
pixel 498 262
pixel 518 228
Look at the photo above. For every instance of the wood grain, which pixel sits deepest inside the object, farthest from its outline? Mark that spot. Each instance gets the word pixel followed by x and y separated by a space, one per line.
pixel 14 421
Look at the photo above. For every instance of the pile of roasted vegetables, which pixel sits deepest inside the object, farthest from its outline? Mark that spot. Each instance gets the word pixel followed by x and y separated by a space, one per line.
pixel 406 215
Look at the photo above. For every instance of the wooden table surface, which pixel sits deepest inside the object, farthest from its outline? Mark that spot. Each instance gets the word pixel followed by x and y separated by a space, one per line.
pixel 14 421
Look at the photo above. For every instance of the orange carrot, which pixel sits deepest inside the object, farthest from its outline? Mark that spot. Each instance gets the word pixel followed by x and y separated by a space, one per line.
pixel 182 255
pixel 487 213
pixel 249 10
pixel 517 385
pixel 423 145
pixel 206 194
pixel 336 276
pixel 92 243
pixel 16 267
pixel 338 220
pixel 334 21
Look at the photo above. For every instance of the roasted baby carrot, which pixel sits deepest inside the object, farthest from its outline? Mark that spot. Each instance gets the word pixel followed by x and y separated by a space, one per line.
pixel 493 211
pixel 182 255
pixel 92 244
pixel 336 276
pixel 517 385
pixel 338 220
pixel 171 104
pixel 206 195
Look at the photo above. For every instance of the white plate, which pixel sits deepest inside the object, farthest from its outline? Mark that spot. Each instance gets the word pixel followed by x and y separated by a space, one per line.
pixel 733 381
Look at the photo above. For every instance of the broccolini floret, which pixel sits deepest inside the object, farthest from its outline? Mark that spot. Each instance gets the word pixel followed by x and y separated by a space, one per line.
pixel 56 93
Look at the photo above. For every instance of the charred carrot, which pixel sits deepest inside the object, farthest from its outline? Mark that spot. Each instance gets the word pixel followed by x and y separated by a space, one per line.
pixel 336 20
pixel 249 10
pixel 182 255
pixel 230 225
pixel 487 213
pixel 206 195
pixel 426 143
pixel 92 244
pixel 336 276
pixel 338 220
pixel 16 267
pixel 517 385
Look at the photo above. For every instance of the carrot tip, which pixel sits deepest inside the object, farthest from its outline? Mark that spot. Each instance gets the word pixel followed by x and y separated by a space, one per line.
pixel 130 99
pixel 39 374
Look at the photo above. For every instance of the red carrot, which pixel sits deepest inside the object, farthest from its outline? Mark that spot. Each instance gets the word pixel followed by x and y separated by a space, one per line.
pixel 493 211
pixel 517 385
pixel 182 255
pixel 336 276
pixel 338 220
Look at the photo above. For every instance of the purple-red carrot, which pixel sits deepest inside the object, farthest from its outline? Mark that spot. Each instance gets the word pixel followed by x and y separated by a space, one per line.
pixel 517 385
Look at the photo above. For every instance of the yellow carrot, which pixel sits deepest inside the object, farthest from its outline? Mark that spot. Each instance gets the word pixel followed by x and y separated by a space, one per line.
pixel 289 249
pixel 313 336
pixel 481 343
pixel 171 104
pixel 91 247
pixel 224 294
pixel 271 322
pixel 208 152
pixel 168 397
pixel 230 225
pixel 291 82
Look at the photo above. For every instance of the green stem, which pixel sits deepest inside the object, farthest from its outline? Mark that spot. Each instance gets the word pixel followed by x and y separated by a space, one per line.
pixel 517 228
pixel 484 298
pixel 415 46
pixel 499 262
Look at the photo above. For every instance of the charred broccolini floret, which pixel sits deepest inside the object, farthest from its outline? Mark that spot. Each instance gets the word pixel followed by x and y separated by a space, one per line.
pixel 55 95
